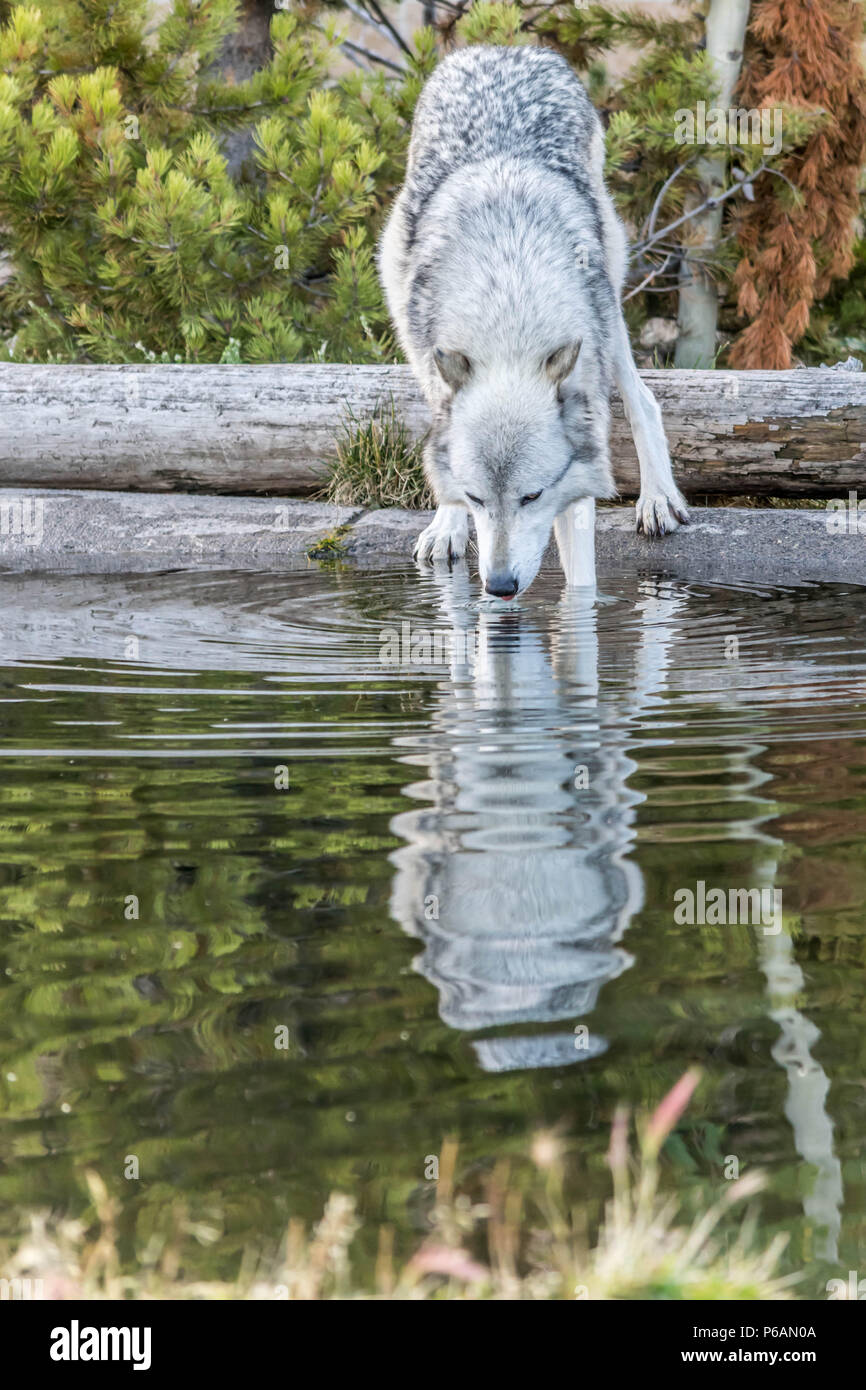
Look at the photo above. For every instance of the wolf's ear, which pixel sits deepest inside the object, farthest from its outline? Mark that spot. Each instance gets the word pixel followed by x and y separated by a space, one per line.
pixel 454 367
pixel 560 364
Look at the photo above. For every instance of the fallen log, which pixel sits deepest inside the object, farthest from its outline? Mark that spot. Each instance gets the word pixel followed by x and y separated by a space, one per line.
pixel 271 429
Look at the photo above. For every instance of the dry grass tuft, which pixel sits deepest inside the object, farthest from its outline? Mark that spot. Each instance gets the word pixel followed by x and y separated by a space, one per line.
pixel 521 1242
pixel 378 464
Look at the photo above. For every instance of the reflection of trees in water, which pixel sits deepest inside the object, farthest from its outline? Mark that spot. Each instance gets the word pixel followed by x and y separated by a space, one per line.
pixel 105 1011
pixel 258 909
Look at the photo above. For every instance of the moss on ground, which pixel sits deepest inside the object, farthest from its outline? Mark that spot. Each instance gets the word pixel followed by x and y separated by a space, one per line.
pixel 330 547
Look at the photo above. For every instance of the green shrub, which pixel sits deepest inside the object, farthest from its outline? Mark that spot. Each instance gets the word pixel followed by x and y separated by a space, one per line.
pixel 129 238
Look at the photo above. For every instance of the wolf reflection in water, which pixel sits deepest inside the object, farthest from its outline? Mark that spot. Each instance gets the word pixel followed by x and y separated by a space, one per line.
pixel 516 877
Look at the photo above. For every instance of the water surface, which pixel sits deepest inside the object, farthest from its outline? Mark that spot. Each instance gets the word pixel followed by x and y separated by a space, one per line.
pixel 302 873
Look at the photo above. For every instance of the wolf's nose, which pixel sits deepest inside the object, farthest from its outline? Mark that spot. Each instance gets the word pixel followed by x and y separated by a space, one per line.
pixel 502 585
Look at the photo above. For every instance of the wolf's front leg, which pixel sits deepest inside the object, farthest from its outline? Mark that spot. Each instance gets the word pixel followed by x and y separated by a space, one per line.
pixel 446 537
pixel 661 506
pixel 575 540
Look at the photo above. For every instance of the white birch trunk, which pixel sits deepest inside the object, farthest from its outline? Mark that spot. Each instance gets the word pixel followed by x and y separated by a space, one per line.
pixel 698 309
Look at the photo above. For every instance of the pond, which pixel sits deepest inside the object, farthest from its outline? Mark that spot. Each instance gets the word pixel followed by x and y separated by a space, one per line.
pixel 303 873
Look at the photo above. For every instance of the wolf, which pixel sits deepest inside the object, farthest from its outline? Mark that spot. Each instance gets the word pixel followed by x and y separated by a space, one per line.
pixel 502 263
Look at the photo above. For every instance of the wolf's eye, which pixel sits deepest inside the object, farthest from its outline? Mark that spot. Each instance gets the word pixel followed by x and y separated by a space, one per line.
pixel 476 500
pixel 530 497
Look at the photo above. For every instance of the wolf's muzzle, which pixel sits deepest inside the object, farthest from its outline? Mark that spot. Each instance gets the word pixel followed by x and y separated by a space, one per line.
pixel 502 585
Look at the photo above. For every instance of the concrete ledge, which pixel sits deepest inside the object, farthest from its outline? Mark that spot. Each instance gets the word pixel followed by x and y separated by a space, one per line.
pixel 723 544
pixel 137 533
pixel 729 544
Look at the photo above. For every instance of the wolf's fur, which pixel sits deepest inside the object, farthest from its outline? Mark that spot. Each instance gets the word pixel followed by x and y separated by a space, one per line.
pixel 501 256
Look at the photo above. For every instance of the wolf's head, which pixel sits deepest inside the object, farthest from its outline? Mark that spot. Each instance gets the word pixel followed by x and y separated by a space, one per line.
pixel 517 446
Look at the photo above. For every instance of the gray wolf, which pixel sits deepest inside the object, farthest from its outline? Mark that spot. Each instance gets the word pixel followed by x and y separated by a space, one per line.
pixel 502 263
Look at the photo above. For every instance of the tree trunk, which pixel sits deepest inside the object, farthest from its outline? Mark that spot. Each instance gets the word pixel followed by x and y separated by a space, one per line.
pixel 698 310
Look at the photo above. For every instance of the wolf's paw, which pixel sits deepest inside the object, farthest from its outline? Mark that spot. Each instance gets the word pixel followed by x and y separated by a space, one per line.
pixel 445 538
pixel 657 513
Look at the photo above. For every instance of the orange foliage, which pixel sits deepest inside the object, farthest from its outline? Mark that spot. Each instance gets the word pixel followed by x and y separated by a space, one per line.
pixel 800 53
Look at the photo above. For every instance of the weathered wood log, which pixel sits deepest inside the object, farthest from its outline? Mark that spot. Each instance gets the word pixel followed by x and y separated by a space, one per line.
pixel 271 429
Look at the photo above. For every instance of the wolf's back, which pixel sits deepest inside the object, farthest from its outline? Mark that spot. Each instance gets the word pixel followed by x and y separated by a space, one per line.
pixel 503 238
pixel 523 103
